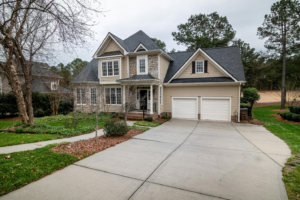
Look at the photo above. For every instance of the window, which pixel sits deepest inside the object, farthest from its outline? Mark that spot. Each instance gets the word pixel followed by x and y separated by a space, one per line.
pixel 199 67
pixel 113 96
pixel 54 85
pixel 110 68
pixel 80 96
pixel 93 96
pixel 142 64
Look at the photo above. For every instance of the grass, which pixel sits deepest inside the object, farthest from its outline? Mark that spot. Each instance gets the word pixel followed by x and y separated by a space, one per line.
pixel 20 168
pixel 290 133
pixel 145 123
pixel 143 129
pixel 8 139
pixel 7 124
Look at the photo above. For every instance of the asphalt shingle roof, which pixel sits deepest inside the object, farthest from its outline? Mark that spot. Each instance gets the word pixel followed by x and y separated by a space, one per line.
pixel 138 77
pixel 111 53
pixel 227 57
pixel 38 85
pixel 202 80
pixel 89 73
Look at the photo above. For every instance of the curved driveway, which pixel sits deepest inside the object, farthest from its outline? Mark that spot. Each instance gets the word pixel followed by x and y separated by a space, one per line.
pixel 177 160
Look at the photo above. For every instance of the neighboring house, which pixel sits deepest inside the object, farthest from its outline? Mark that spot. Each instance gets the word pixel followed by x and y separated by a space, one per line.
pixel 43 80
pixel 201 84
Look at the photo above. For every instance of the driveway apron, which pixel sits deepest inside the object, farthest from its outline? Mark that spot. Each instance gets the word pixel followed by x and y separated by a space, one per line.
pixel 180 159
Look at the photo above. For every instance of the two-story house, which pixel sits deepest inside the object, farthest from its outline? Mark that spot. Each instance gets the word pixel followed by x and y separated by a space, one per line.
pixel 201 84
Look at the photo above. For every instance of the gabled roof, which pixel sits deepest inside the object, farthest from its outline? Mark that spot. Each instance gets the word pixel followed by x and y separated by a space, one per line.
pixel 38 85
pixel 228 58
pixel 89 73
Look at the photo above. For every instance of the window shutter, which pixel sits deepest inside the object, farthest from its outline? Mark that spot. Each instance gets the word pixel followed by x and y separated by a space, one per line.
pixel 205 66
pixel 193 67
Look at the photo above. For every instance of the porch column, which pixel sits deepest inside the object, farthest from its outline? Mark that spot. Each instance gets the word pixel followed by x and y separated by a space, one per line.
pixel 151 99
pixel 124 98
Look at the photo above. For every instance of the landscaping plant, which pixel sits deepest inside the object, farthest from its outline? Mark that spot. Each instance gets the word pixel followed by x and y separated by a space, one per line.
pixel 166 117
pixel 149 118
pixel 114 128
pixel 250 95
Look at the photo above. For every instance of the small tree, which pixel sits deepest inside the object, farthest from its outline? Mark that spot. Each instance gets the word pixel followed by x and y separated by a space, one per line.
pixel 130 100
pixel 250 95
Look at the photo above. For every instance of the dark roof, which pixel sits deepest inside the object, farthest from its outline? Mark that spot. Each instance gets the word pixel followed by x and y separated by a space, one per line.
pixel 138 77
pixel 202 80
pixel 89 73
pixel 227 57
pixel 132 42
pixel 38 85
pixel 111 53
pixel 39 69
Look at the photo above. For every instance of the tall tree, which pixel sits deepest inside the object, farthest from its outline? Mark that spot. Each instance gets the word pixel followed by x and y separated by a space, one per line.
pixel 160 43
pixel 76 66
pixel 205 31
pixel 33 29
pixel 281 28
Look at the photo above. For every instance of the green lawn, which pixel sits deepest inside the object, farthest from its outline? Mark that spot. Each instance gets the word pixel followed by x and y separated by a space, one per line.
pixel 145 123
pixel 8 139
pixel 80 123
pixel 6 124
pixel 290 133
pixel 20 168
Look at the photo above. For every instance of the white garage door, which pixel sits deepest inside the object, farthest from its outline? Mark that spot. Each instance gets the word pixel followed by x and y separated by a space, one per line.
pixel 215 109
pixel 185 108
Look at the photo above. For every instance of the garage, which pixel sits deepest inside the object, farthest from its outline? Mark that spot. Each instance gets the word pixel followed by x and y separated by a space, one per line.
pixel 216 108
pixel 185 107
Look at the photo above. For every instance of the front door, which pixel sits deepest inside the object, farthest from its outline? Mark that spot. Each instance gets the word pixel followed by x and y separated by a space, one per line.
pixel 143 99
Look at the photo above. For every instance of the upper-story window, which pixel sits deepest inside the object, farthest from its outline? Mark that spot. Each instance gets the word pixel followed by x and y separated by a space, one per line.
pixel 199 66
pixel 142 64
pixel 54 85
pixel 110 68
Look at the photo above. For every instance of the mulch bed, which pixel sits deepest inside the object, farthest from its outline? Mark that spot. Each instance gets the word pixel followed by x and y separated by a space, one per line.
pixel 11 119
pixel 161 120
pixel 286 110
pixel 84 148
pixel 279 118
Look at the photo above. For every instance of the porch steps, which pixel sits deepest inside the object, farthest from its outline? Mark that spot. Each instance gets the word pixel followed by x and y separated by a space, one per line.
pixel 139 116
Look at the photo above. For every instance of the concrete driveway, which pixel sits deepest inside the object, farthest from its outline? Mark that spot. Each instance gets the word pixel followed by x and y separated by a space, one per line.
pixel 177 160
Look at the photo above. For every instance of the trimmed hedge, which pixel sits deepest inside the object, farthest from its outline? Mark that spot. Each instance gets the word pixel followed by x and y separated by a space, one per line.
pixel 166 117
pixel 149 118
pixel 245 105
pixel 294 109
pixel 290 116
pixel 114 128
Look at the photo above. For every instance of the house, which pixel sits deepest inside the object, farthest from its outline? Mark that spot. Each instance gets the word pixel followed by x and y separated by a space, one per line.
pixel 201 84
pixel 43 80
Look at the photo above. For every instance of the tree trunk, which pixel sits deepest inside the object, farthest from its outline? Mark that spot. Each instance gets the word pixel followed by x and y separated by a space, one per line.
pixel 283 89
pixel 29 101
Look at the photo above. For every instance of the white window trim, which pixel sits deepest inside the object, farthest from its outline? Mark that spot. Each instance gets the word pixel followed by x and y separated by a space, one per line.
pixel 138 64
pixel 91 96
pixel 106 61
pixel 202 66
pixel 227 98
pixel 161 95
pixel 140 46
pixel 53 83
pixel 116 96
pixel 80 96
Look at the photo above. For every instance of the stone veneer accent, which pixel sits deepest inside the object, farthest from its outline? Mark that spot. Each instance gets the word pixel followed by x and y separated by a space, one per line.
pixel 153 65
pixel 132 66
pixel 87 108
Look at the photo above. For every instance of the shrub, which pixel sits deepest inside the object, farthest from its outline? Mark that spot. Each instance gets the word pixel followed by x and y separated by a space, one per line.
pixel 25 125
pixel 294 109
pixel 243 100
pixel 19 130
pixel 296 117
pixel 114 115
pixel 245 105
pixel 48 112
pixel 8 104
pixel 149 118
pixel 166 117
pixel 283 114
pixel 114 128
pixel 250 95
pixel 121 116
pixel 39 113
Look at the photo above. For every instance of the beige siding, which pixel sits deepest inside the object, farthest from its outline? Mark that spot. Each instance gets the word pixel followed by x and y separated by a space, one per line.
pixel 109 79
pixel 211 69
pixel 164 64
pixel 124 67
pixel 112 46
pixel 199 91
pixel 114 108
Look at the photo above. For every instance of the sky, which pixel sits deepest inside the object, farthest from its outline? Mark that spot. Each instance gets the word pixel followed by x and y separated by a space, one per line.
pixel 159 18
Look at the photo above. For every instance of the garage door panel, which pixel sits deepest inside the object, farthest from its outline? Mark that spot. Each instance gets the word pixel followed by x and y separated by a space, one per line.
pixel 215 109
pixel 185 108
